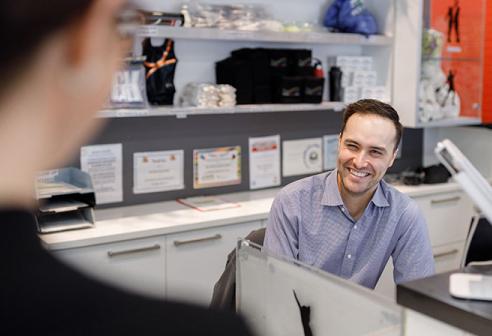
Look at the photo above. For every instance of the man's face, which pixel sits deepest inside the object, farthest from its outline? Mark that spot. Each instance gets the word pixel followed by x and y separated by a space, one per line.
pixel 366 151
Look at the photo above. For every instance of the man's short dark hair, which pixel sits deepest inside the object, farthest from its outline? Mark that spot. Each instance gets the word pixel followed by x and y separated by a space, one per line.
pixel 374 107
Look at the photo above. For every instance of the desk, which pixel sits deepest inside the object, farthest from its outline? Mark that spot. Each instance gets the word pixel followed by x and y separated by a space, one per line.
pixel 430 296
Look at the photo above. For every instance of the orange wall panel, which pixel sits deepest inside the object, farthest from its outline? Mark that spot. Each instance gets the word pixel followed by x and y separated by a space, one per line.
pixel 487 68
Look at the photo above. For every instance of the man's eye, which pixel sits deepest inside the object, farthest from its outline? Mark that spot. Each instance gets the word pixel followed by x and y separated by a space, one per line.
pixel 376 153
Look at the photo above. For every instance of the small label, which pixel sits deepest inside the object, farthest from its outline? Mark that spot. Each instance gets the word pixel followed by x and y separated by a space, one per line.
pixel 291 92
pixel 279 62
pixel 47 175
pixel 314 91
pixel 233 34
pixel 454 49
pixel 148 31
pixel 131 113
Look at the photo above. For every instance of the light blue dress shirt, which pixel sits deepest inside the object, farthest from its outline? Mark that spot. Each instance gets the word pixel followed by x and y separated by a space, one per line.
pixel 308 222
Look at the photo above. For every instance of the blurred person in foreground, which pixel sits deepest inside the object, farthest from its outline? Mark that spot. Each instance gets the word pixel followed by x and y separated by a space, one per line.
pixel 57 59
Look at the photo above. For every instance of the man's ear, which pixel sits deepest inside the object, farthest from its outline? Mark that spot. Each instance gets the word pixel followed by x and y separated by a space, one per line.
pixel 395 153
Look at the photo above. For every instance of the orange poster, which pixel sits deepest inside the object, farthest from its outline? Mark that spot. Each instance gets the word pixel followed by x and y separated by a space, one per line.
pixel 462 26
pixel 487 69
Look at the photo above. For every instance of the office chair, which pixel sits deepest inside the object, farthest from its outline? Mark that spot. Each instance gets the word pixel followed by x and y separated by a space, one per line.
pixel 478 246
pixel 224 295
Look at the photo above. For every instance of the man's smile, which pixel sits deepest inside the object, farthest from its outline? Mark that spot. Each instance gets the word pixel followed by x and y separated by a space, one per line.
pixel 358 173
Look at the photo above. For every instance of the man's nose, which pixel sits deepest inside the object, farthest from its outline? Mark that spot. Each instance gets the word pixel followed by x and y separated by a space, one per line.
pixel 360 159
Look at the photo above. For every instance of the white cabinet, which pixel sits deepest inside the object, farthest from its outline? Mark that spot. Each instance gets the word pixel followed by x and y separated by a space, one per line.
pixel 448 217
pixel 183 265
pixel 448 257
pixel 137 265
pixel 196 259
pixel 386 286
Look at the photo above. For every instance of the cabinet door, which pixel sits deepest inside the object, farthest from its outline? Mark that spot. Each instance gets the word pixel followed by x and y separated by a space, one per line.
pixel 196 259
pixel 448 216
pixel 136 265
pixel 386 284
pixel 448 257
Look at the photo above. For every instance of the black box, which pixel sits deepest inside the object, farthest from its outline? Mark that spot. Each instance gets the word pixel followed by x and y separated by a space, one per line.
pixel 239 74
pixel 300 62
pixel 279 62
pixel 313 90
pixel 262 94
pixel 288 90
pixel 258 59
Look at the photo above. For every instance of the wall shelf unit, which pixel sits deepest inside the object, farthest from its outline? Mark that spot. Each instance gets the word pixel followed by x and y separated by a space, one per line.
pixel 182 112
pixel 264 36
pixel 460 121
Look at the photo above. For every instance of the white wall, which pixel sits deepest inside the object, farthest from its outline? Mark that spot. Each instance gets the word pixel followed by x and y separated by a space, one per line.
pixel 474 142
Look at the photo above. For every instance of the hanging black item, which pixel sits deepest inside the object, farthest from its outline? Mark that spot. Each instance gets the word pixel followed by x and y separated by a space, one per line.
pixel 305 316
pixel 160 66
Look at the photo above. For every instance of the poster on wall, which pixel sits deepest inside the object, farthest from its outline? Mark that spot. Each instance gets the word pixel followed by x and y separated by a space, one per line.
pixel 330 151
pixel 301 157
pixel 158 171
pixel 264 162
pixel 104 165
pixel 460 23
pixel 216 167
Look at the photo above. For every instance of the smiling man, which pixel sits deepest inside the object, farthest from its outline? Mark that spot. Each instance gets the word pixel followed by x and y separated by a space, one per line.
pixel 349 222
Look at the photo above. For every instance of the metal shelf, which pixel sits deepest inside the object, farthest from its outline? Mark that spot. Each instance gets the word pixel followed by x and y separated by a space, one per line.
pixel 183 112
pixel 460 121
pixel 264 36
pixel 453 59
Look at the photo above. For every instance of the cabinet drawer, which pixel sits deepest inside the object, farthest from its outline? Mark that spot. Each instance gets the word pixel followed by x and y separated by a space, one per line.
pixel 448 257
pixel 136 265
pixel 386 285
pixel 448 216
pixel 196 259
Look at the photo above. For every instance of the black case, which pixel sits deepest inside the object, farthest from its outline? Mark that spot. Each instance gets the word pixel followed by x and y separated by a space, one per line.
pixel 237 73
pixel 313 90
pixel 288 90
pixel 160 85
pixel 270 75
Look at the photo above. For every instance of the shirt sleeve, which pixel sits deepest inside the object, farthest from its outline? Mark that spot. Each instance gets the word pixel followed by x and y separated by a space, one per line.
pixel 281 237
pixel 412 256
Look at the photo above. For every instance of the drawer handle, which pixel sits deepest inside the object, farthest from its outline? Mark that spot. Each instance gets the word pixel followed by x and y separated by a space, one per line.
pixel 198 240
pixel 137 250
pixel 445 254
pixel 446 200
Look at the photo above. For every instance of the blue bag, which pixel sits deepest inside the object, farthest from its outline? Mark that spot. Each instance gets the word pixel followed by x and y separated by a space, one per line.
pixel 350 16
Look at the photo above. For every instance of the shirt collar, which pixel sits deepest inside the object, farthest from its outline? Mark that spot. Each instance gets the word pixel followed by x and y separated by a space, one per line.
pixel 332 197
pixel 379 198
pixel 331 194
